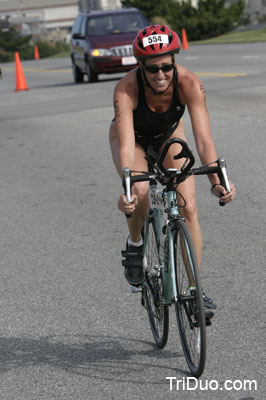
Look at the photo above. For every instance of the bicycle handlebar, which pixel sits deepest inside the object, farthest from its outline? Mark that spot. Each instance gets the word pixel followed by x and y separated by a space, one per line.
pixel 184 153
pixel 165 176
pixel 127 186
pixel 220 170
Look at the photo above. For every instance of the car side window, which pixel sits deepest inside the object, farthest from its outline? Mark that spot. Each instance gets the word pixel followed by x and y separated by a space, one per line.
pixel 76 26
pixel 83 27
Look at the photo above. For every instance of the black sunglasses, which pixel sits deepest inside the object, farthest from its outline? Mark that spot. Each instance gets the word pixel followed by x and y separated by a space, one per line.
pixel 155 70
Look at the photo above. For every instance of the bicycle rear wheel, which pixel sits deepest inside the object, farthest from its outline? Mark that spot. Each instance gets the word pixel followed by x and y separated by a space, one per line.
pixel 189 306
pixel 158 313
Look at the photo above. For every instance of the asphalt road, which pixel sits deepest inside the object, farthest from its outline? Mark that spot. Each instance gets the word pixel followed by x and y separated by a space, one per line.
pixel 69 326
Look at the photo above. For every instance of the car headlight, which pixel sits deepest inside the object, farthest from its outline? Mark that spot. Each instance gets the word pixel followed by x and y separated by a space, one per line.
pixel 100 52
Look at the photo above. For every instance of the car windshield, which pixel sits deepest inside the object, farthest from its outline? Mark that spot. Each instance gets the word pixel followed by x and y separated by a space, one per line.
pixel 115 24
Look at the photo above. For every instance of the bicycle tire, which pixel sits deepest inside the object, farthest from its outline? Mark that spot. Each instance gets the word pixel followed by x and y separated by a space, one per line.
pixel 158 313
pixel 189 306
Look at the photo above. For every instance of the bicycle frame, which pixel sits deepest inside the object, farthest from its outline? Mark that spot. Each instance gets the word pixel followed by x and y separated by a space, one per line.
pixel 158 202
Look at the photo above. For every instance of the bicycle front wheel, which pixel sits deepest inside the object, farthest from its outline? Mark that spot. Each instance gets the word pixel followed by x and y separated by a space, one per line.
pixel 158 313
pixel 189 306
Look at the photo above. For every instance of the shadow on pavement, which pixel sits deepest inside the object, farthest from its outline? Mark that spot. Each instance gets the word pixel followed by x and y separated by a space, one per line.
pixel 100 357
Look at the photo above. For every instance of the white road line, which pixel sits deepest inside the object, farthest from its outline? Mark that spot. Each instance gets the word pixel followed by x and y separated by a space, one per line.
pixel 246 57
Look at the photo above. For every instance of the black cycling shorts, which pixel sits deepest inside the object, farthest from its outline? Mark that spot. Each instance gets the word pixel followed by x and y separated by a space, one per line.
pixel 156 141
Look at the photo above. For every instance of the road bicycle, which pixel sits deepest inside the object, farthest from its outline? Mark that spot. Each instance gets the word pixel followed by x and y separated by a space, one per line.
pixel 170 264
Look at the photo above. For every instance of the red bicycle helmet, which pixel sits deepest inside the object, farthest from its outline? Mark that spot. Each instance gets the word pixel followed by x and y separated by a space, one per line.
pixel 155 40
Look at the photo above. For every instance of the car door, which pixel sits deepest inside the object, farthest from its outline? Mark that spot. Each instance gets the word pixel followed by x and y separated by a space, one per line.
pixel 76 42
pixel 83 45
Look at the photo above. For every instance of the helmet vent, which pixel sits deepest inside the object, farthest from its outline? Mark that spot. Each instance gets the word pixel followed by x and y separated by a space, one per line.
pixel 170 37
pixel 140 44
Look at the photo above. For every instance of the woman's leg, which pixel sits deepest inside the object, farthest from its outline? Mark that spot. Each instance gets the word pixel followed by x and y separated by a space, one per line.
pixel 187 189
pixel 141 189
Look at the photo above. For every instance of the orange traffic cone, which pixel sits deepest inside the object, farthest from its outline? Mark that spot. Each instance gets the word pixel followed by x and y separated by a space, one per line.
pixel 21 83
pixel 184 40
pixel 36 53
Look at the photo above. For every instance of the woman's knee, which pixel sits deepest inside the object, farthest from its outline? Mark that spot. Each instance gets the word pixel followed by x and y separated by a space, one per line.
pixel 190 211
pixel 141 189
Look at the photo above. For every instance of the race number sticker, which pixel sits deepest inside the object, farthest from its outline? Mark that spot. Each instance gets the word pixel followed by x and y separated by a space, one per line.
pixel 155 39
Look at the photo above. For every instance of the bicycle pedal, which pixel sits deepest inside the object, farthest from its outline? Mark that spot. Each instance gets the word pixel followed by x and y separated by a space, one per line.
pixel 208 302
pixel 135 289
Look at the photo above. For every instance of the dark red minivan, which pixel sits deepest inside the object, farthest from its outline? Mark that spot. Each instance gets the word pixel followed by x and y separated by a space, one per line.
pixel 101 42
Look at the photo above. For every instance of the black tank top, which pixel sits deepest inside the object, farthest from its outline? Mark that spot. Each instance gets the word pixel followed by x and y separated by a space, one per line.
pixel 152 125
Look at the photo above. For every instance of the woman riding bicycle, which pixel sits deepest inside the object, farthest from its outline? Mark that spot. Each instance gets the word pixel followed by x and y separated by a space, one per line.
pixel 149 102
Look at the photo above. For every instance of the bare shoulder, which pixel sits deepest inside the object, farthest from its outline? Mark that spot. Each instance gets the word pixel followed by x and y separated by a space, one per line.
pixel 190 85
pixel 127 89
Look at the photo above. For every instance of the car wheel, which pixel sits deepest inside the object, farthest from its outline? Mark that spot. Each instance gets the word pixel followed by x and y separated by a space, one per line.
pixel 92 76
pixel 77 74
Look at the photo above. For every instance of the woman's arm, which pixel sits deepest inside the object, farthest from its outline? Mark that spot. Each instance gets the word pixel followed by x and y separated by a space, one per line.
pixel 194 96
pixel 123 107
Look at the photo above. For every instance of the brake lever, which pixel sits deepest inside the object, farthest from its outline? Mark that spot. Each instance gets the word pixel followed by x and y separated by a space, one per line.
pixel 223 177
pixel 127 188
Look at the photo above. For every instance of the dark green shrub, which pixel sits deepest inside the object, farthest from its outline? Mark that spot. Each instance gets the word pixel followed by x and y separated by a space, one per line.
pixel 210 18
pixel 12 41
pixel 47 48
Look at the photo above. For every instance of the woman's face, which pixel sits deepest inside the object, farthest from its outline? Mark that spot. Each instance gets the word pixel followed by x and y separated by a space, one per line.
pixel 159 78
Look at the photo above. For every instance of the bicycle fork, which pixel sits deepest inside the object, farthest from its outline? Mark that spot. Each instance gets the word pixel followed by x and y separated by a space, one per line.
pixel 168 270
pixel 170 294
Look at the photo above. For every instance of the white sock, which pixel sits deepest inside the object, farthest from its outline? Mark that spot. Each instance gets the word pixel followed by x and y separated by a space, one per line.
pixel 136 244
